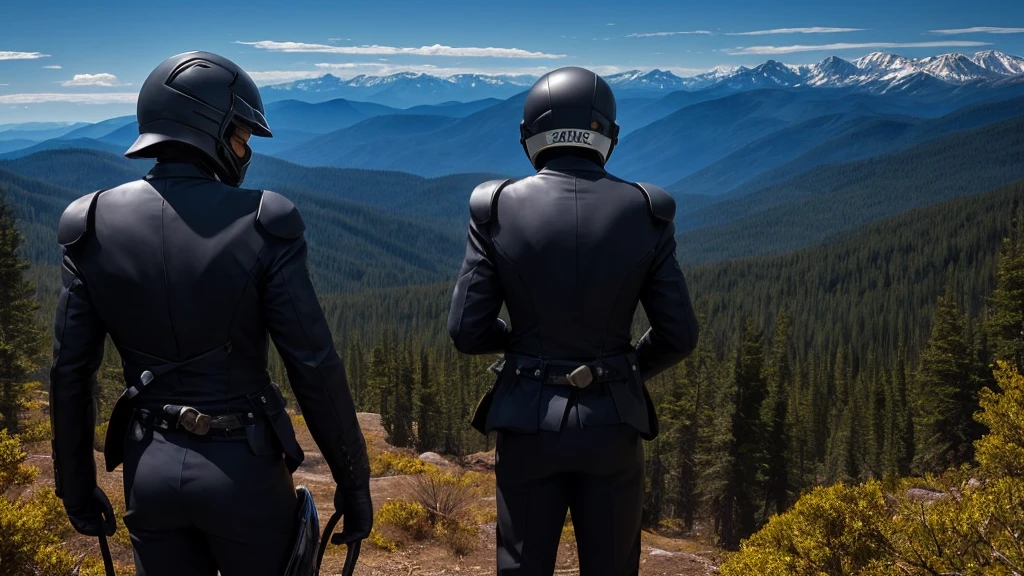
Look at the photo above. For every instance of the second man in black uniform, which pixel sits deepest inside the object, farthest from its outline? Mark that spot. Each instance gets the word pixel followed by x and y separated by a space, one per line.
pixel 571 252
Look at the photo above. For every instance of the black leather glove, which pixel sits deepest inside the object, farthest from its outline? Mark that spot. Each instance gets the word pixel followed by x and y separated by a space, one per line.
pixel 358 514
pixel 93 516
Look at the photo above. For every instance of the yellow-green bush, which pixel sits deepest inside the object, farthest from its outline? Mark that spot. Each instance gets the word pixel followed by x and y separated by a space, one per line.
pixel 13 471
pixel 33 529
pixel 974 526
pixel 458 536
pixel 394 464
pixel 397 521
pixel 100 437
pixel 835 530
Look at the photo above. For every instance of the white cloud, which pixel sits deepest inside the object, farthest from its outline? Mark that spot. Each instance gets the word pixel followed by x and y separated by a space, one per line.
pixel 741 51
pixel 21 55
pixel 39 98
pixel 101 79
pixel 610 24
pixel 277 76
pixel 981 29
pixel 435 50
pixel 52 67
pixel 656 34
pixel 811 30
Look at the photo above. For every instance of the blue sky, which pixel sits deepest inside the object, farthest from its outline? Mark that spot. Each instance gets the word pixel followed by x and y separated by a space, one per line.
pixel 57 55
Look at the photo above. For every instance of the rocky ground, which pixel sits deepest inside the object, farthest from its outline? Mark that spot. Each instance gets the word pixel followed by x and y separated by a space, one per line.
pixel 661 556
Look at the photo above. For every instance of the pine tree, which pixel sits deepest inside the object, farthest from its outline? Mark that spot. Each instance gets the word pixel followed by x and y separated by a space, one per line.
pixel 356 370
pixel 739 512
pixel 775 412
pixel 898 440
pixel 946 394
pixel 401 434
pixel 1005 322
pixel 20 338
pixel 428 437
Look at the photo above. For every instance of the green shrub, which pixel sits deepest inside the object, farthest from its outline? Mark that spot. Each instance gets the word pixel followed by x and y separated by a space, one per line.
pixel 395 464
pixel 398 521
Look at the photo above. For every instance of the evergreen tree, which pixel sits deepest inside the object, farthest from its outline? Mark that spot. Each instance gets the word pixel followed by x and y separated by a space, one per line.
pixel 739 511
pixel 898 440
pixel 1005 322
pixel 946 394
pixel 775 412
pixel 20 338
pixel 356 370
pixel 428 436
pixel 401 434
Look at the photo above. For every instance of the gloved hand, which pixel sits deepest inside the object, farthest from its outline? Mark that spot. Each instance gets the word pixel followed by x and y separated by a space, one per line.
pixel 93 516
pixel 358 514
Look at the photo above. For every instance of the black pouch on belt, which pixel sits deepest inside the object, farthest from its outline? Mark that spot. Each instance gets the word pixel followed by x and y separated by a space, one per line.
pixel 271 402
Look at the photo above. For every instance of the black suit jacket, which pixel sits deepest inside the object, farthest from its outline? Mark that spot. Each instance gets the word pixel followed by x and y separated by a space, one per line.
pixel 571 252
pixel 175 265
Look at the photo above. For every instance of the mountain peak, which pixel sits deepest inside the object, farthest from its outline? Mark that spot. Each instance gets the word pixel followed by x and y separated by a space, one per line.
pixel 999 62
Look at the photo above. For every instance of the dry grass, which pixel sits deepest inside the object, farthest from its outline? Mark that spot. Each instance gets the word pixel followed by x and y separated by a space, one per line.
pixel 449 551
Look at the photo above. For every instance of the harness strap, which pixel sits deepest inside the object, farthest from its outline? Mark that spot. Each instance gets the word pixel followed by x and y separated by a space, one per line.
pixel 351 555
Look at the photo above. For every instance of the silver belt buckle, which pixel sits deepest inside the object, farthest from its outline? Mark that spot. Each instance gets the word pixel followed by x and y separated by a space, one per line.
pixel 580 377
pixel 194 421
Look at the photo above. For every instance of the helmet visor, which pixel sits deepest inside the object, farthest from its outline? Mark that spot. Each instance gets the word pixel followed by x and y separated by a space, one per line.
pixel 251 117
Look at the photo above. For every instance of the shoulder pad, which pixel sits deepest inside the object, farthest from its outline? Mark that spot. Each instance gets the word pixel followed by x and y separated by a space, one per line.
pixel 74 222
pixel 484 198
pixel 661 204
pixel 279 216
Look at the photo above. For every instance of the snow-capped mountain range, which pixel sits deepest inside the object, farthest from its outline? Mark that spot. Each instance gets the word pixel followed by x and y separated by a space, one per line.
pixel 877 72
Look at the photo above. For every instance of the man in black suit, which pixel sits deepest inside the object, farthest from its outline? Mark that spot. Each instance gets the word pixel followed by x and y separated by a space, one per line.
pixel 188 273
pixel 571 251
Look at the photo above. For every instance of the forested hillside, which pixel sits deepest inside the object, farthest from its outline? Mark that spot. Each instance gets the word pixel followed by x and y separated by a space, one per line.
pixel 836 199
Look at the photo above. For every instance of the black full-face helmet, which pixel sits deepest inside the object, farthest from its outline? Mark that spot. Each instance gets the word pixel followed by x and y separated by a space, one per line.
pixel 571 107
pixel 197 99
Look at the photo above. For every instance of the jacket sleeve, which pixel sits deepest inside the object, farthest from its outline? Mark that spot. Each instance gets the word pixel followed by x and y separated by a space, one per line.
pixel 666 300
pixel 473 322
pixel 317 375
pixel 79 334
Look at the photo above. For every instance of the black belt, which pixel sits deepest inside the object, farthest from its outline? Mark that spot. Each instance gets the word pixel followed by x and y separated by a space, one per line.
pixel 191 420
pixel 571 373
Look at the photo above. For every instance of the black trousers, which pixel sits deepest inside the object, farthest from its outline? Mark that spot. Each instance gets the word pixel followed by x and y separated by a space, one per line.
pixel 596 473
pixel 199 505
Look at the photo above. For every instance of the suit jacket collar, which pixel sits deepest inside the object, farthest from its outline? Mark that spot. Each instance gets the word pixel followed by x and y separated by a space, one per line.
pixel 572 164
pixel 179 170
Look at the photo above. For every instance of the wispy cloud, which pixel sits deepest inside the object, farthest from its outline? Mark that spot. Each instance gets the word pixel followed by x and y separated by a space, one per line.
pixel 742 51
pixel 52 67
pixel 40 98
pixel 658 34
pixel 981 29
pixel 101 79
pixel 435 50
pixel 811 30
pixel 4 55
